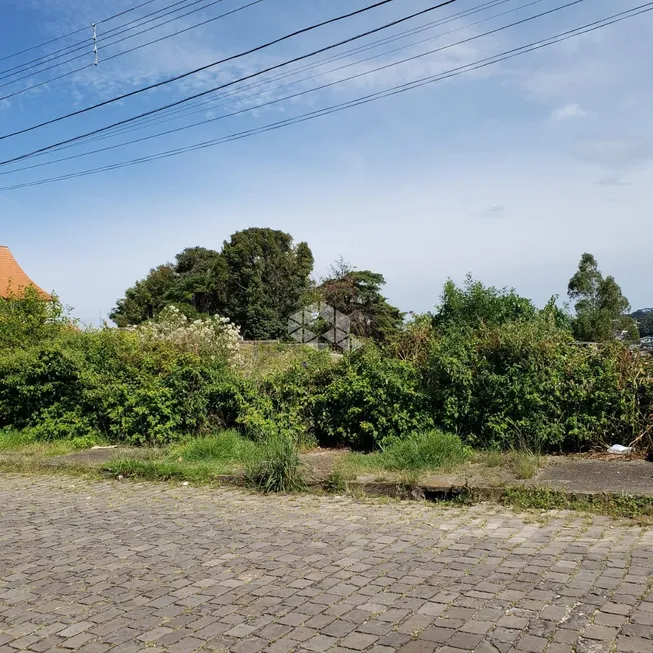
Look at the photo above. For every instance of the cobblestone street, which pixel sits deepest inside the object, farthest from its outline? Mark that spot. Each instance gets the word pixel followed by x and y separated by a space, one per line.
pixel 107 566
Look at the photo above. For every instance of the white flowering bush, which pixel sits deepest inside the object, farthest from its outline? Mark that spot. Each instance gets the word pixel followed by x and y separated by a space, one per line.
pixel 213 336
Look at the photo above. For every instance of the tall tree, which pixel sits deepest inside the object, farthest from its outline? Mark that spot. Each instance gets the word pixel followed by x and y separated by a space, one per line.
pixel 357 294
pixel 257 280
pixel 145 298
pixel 201 281
pixel 600 305
pixel 267 278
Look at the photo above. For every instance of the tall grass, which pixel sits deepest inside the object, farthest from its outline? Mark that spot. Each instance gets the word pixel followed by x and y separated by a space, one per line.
pixel 525 464
pixel 227 446
pixel 418 453
pixel 279 469
pixel 433 450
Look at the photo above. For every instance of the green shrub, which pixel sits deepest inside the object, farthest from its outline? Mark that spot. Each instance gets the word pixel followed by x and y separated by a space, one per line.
pixel 474 305
pixel 26 318
pixel 108 383
pixel 34 380
pixel 367 398
pixel 529 385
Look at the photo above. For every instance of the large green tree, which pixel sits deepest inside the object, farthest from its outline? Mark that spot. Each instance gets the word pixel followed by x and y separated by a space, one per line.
pixel 600 305
pixel 267 278
pixel 201 281
pixel 146 298
pixel 357 294
pixel 257 280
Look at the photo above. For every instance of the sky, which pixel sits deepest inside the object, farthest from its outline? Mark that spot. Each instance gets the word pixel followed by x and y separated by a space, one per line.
pixel 508 172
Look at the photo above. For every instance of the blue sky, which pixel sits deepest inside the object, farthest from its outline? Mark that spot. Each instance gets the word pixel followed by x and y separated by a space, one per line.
pixel 509 173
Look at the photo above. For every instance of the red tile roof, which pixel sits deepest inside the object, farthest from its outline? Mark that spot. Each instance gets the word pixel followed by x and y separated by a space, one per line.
pixel 12 278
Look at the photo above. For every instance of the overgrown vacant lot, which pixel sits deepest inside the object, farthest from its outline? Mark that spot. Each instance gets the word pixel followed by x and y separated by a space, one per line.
pixel 108 566
pixel 489 379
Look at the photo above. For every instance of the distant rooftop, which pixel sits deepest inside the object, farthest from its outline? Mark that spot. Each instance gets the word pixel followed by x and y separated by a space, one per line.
pixel 12 277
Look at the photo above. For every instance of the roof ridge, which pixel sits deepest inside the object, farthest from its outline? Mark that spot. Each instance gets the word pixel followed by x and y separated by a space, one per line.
pixel 13 277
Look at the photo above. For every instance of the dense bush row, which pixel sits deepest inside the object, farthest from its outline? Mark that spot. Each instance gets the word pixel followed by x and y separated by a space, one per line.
pixel 518 380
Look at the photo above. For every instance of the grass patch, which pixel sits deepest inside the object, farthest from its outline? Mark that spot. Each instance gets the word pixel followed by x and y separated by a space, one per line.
pixel 165 470
pixel 432 450
pixel 227 447
pixel 200 460
pixel 525 464
pixel 403 461
pixel 410 457
pixel 613 505
pixel 25 442
pixel 490 458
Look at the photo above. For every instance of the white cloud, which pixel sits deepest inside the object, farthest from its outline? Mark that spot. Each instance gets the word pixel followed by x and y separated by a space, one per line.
pixel 569 111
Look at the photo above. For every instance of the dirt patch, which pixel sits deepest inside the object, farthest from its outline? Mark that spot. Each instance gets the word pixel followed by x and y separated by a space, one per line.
pixel 92 456
pixel 320 462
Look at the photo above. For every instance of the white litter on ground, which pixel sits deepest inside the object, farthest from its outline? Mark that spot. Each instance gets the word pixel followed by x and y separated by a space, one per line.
pixel 619 448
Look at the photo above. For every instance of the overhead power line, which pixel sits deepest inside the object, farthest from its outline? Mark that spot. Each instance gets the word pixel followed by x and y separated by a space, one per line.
pixel 307 91
pixel 203 93
pixel 138 47
pixel 207 66
pixel 203 105
pixel 77 31
pixel 487 61
pixel 83 45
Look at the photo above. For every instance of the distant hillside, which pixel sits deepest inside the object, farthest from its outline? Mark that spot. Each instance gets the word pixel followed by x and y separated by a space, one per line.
pixel 644 319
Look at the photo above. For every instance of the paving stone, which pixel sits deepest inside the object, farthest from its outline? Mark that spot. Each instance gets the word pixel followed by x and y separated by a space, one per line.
pixel 531 644
pixel 600 632
pixel 105 567
pixel 77 641
pixel 510 621
pixel 75 629
pixel 338 628
pixel 616 608
pixel 634 645
pixel 394 640
pixel 476 627
pixel 358 641
pixel 185 645
pixel 248 645
pixel 559 648
pixel 281 646
pixel 465 641
pixel 319 643
pixel 606 619
pixel 437 634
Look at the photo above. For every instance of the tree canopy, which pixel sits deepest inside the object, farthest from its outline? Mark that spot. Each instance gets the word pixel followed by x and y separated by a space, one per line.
pixel 357 294
pixel 257 280
pixel 146 298
pixel 599 304
pixel 267 278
